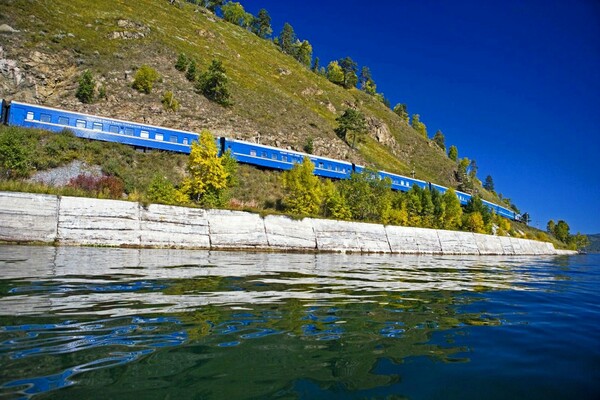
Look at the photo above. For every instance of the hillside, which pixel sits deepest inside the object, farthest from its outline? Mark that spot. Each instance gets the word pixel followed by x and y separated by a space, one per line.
pixel 276 100
pixel 594 246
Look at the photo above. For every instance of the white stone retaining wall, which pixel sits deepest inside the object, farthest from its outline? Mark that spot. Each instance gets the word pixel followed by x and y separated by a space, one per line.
pixel 28 217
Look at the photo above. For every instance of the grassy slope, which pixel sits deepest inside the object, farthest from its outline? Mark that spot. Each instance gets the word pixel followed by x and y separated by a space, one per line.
pixel 273 94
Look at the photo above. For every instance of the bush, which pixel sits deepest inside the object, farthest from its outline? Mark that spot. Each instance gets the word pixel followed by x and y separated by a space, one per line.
pixel 85 91
pixel 169 102
pixel 144 79
pixel 16 153
pixel 182 62
pixel 103 186
pixel 192 71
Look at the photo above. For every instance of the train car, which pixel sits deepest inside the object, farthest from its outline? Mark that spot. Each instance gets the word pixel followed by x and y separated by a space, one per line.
pixel 502 211
pixel 272 157
pixel 3 111
pixel 402 183
pixel 439 188
pixel 100 128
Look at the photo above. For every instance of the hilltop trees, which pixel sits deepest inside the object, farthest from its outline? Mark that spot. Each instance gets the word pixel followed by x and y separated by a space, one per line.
pixel 261 24
pixel 489 183
pixel 440 140
pixel 234 13
pixel 402 111
pixel 453 153
pixel 366 82
pixel 335 73
pixel 418 126
pixel 287 38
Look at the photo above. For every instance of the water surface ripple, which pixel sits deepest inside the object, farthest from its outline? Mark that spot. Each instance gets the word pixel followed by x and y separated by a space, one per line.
pixel 156 324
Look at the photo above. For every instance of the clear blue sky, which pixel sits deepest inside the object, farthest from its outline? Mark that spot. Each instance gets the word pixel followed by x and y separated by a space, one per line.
pixel 514 84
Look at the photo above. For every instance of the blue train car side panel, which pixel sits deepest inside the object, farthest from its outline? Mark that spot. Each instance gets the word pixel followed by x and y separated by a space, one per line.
pixel 272 157
pixel 100 128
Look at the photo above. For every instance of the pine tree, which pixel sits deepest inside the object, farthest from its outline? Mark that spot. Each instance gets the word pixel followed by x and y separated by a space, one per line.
pixel 192 71
pixel 453 153
pixel 182 62
pixel 418 126
pixel 351 120
pixel 261 24
pixel 401 111
pixel 213 84
pixel 287 39
pixel 440 140
pixel 87 85
pixel 489 183
pixel 349 68
pixel 303 53
pixel 315 67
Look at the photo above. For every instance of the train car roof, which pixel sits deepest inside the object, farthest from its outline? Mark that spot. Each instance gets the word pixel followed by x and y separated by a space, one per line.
pixel 404 177
pixel 100 116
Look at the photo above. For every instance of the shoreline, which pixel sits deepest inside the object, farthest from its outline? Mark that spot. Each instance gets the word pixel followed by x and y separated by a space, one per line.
pixel 76 221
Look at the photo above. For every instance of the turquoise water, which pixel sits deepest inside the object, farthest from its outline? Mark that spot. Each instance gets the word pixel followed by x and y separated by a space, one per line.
pixel 82 323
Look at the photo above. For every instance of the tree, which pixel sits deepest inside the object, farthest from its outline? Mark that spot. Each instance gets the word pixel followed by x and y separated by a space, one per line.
pixel 440 140
pixel 473 222
pixel 475 205
pixel 303 53
pixel 213 84
pixel 418 126
pixel 550 227
pixel 162 191
pixel 334 204
pixel 192 71
pixel 453 210
pixel 489 183
pixel 366 81
pixel 473 171
pixel 579 241
pixel 335 73
pixel 351 120
pixel 368 197
pixel 213 4
pixel 349 68
pixel 261 24
pixel 182 62
pixel 287 39
pixel 207 177
pixel 87 85
pixel 234 13
pixel 144 79
pixel 315 67
pixel 401 111
pixel 561 231
pixel 453 153
pixel 304 195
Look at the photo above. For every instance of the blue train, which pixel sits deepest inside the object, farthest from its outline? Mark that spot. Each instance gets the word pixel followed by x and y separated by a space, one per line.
pixel 146 136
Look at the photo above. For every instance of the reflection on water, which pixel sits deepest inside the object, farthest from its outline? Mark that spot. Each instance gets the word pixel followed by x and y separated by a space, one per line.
pixel 197 324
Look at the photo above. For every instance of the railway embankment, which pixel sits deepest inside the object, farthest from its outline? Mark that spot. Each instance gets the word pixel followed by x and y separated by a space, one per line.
pixel 38 218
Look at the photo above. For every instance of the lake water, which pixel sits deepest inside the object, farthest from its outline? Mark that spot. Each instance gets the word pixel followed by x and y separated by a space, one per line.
pixel 83 323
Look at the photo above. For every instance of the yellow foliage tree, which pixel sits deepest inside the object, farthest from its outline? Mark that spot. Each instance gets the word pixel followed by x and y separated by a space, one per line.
pixel 452 211
pixel 473 222
pixel 305 194
pixel 207 176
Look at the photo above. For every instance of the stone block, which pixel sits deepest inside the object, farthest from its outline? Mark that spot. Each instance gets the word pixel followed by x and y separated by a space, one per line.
pixel 286 233
pixel 405 240
pixel 170 226
pixel 488 245
pixel 454 242
pixel 83 221
pixel 236 230
pixel 26 217
pixel 347 236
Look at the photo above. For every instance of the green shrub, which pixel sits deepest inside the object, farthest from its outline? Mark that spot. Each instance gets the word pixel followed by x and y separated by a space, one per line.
pixel 87 84
pixel 144 79
pixel 182 62
pixel 192 71
pixel 169 102
pixel 213 84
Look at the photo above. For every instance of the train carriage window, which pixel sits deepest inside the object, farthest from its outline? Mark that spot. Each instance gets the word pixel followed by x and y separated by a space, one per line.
pixel 253 153
pixel 113 129
pixel 329 167
pixel 185 140
pixel 63 121
pixel 321 165
pixel 97 126
pixel 284 158
pixel 129 131
pixel 29 115
pixel 80 123
pixel 274 156
pixel 263 154
pixel 159 136
pixel 45 118
pixel 144 134
pixel 173 139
